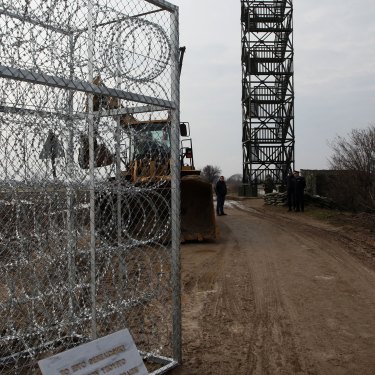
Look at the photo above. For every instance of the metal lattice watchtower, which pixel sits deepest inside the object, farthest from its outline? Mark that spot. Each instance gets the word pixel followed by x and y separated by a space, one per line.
pixel 267 91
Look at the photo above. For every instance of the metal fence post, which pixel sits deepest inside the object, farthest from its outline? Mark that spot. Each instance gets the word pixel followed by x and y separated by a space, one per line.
pixel 90 52
pixel 176 196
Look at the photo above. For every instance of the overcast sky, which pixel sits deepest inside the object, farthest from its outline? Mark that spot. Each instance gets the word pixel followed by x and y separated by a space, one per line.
pixel 334 47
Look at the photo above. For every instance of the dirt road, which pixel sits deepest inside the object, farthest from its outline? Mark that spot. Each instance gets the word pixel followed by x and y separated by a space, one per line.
pixel 279 293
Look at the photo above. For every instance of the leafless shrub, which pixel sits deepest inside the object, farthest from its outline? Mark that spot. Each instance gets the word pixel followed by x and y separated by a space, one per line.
pixel 234 182
pixel 211 173
pixel 353 160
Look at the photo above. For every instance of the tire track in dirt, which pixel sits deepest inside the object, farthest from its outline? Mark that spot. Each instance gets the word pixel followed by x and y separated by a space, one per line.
pixel 272 342
pixel 274 296
pixel 338 289
pixel 217 308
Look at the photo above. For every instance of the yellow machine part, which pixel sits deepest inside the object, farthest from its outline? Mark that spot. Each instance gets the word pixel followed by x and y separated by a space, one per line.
pixel 197 210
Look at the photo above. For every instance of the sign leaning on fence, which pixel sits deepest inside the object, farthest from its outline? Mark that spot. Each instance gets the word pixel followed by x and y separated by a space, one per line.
pixel 115 354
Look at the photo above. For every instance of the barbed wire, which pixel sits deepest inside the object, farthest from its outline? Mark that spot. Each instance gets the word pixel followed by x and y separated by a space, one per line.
pixel 52 92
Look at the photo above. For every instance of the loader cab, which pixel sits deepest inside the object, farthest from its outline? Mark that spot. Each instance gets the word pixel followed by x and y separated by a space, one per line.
pixel 149 149
pixel 151 141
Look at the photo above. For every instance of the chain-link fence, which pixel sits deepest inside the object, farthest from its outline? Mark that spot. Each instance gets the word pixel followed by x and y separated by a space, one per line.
pixel 89 164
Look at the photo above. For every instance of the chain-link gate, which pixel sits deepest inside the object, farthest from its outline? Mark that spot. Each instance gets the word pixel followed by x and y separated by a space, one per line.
pixel 89 195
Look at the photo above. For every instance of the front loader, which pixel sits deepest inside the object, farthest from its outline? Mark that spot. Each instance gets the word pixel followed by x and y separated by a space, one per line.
pixel 146 161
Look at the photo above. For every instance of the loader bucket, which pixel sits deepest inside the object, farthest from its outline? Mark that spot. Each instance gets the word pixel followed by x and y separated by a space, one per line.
pixel 197 210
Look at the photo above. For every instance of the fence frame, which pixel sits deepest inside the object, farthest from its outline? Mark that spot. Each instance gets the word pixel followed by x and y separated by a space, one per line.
pixel 148 104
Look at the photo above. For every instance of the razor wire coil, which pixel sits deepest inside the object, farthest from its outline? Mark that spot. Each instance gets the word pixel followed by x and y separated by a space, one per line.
pixel 49 191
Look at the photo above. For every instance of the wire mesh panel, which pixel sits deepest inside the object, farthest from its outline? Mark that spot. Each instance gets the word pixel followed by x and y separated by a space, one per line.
pixel 89 166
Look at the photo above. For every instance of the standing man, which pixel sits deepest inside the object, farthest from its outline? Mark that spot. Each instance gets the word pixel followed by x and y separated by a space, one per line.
pixel 290 191
pixel 300 184
pixel 221 192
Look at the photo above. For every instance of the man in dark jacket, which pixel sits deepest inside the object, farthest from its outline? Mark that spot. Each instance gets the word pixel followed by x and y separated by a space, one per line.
pixel 290 191
pixel 221 192
pixel 300 184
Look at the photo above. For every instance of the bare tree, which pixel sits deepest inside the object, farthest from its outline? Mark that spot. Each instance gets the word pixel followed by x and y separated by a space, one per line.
pixel 211 173
pixel 234 182
pixel 354 160
pixel 235 178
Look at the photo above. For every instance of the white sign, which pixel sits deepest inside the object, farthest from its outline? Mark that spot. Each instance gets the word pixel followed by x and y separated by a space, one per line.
pixel 115 354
